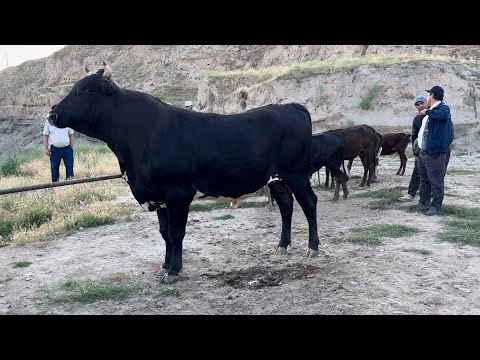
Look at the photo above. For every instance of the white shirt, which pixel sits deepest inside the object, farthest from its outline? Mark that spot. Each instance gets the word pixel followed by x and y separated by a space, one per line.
pixel 422 128
pixel 56 136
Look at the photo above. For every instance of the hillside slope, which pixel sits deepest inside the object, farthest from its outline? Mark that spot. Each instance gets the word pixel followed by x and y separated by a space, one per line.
pixel 176 73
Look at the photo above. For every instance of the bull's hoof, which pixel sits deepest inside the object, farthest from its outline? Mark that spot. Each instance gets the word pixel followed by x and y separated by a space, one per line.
pixel 160 272
pixel 169 279
pixel 335 198
pixel 281 250
pixel 312 253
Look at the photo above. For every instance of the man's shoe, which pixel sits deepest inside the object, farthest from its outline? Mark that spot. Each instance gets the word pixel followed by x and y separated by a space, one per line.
pixel 432 211
pixel 407 197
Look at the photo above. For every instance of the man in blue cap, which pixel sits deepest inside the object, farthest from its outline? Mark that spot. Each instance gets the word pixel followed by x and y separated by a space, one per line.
pixel 434 139
pixel 420 103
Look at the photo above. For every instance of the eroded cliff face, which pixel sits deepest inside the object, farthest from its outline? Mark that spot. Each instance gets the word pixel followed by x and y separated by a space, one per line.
pixel 176 73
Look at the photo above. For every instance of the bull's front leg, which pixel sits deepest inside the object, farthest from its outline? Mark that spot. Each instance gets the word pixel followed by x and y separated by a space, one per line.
pixel 177 221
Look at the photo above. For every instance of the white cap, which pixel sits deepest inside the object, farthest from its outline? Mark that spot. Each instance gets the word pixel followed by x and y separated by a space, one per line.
pixel 188 103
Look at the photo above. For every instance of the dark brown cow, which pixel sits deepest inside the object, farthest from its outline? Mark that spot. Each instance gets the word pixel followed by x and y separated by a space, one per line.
pixel 396 143
pixel 362 141
pixel 378 147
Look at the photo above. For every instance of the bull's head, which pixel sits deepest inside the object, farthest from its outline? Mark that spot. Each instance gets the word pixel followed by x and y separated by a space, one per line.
pixel 90 97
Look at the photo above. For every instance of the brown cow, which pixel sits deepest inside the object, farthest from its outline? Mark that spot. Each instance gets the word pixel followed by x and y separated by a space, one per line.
pixel 396 143
pixel 391 143
pixel 363 141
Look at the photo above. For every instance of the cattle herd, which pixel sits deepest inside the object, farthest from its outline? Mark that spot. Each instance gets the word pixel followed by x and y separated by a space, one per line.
pixel 170 156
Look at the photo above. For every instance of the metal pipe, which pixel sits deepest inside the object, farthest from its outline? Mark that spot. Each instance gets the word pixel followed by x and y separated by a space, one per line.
pixel 59 183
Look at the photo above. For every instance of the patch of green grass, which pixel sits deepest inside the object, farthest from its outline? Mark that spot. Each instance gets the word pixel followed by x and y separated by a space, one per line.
pixel 6 227
pixel 349 123
pixel 11 167
pixel 453 195
pixel 297 72
pixel 169 292
pixel 461 172
pixel 90 147
pixel 32 155
pixel 21 264
pixel 367 101
pixel 465 231
pixel 460 211
pixel 223 204
pixel 36 215
pixel 252 204
pixel 90 196
pixel 372 235
pixel 89 291
pixel 90 220
pixel 224 217
pixel 418 251
pixel 387 197
pixel 209 206
pixel 7 204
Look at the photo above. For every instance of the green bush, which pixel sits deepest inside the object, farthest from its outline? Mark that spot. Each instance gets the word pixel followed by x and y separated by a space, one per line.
pixel 11 167
pixel 36 215
pixel 6 227
pixel 367 101
pixel 90 220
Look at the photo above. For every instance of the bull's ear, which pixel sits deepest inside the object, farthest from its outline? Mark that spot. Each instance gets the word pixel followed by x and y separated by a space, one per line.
pixel 100 72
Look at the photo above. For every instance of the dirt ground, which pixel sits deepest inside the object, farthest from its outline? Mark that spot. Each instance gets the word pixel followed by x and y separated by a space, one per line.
pixel 230 266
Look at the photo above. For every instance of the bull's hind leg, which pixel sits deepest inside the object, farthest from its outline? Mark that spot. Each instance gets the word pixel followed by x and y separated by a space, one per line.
pixel 283 197
pixel 163 221
pixel 308 201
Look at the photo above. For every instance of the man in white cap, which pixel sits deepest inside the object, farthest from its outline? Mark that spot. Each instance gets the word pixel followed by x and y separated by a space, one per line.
pixel 189 105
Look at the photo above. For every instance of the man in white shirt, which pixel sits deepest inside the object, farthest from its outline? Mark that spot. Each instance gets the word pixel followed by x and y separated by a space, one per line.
pixel 434 139
pixel 58 144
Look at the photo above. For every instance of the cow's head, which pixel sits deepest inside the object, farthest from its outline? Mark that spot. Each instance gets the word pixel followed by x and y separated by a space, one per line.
pixel 88 99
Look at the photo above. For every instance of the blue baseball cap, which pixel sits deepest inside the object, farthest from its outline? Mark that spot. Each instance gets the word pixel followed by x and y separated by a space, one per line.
pixel 419 98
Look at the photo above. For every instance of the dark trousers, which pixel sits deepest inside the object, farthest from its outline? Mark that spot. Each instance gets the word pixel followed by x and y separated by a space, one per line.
pixel 432 175
pixel 56 156
pixel 414 180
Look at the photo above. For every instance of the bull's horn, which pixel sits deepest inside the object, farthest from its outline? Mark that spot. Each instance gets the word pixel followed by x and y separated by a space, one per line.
pixel 107 74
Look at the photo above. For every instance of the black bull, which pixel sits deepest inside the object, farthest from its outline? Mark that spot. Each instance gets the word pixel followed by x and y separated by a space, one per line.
pixel 170 156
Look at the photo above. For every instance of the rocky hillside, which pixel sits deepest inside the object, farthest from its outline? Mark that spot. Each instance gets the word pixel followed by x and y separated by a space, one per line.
pixel 340 85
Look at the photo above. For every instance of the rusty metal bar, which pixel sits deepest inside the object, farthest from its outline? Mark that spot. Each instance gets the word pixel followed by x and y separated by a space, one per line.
pixel 59 183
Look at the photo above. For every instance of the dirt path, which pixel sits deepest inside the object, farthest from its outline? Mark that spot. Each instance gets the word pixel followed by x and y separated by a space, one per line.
pixel 230 266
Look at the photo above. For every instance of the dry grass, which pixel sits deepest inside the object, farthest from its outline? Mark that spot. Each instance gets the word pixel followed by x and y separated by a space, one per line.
pixel 39 214
pixel 248 78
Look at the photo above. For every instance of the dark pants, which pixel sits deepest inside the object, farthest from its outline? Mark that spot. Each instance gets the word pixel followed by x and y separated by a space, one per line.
pixel 56 156
pixel 415 179
pixel 432 175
